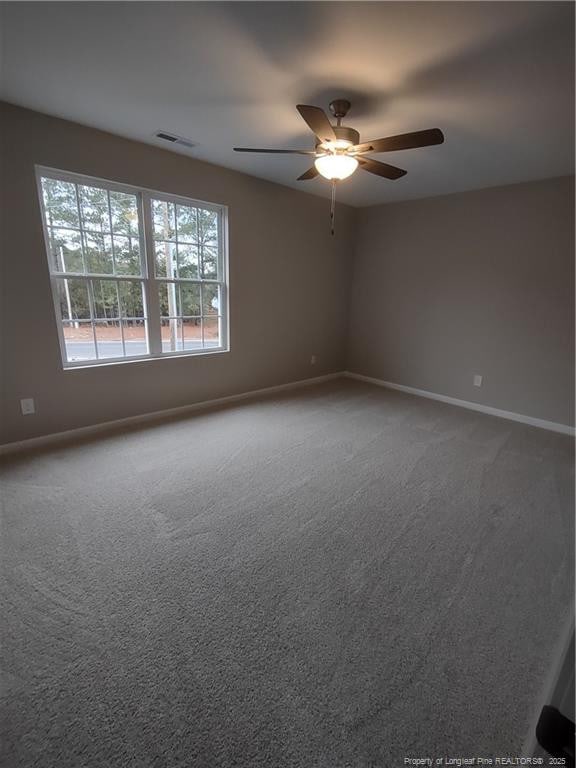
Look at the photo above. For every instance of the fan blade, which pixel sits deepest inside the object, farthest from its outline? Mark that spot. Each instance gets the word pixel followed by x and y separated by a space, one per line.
pixel 317 121
pixel 381 169
pixel 403 141
pixel 311 173
pixel 277 151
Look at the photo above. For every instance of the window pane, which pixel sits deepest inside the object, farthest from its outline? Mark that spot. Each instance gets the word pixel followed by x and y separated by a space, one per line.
pixel 105 297
pixel 98 253
pixel 94 208
pixel 79 341
pixel 73 299
pixel 60 203
pixel 210 299
pixel 135 342
pixel 65 250
pixel 187 224
pixel 171 335
pixel 169 298
pixel 207 227
pixel 187 261
pixel 211 331
pixel 131 298
pixel 127 255
pixel 190 300
pixel 209 263
pixel 124 211
pixel 166 263
pixel 164 220
pixel 192 332
pixel 108 338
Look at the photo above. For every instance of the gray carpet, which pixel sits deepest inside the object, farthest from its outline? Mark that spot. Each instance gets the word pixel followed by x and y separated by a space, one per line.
pixel 338 576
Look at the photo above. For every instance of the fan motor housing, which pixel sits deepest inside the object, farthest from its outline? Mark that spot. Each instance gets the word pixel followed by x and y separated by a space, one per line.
pixel 348 134
pixel 344 134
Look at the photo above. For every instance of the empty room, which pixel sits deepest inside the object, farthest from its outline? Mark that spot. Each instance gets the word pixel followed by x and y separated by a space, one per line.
pixel 287 384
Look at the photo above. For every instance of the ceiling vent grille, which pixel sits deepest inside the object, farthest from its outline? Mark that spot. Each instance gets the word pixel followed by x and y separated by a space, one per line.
pixel 173 139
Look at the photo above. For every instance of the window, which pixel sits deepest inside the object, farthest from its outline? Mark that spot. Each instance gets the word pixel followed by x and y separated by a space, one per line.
pixel 135 274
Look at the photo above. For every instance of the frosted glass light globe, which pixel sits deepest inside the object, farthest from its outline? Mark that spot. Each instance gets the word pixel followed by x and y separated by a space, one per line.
pixel 336 167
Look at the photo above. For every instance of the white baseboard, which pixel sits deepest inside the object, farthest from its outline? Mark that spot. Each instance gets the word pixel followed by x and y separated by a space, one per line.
pixel 533 422
pixel 106 426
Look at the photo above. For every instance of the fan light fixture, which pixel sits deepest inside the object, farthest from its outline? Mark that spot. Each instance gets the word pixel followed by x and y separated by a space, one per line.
pixel 336 167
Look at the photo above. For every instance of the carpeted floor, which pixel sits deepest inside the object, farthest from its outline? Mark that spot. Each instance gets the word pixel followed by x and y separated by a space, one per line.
pixel 338 576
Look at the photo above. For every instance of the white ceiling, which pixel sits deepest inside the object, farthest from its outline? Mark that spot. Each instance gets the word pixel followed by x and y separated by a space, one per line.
pixel 496 77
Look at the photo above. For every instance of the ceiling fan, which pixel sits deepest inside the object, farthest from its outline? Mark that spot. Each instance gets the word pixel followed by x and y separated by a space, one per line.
pixel 338 151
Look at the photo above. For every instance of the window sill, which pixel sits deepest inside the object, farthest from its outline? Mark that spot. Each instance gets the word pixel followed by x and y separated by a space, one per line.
pixel 85 365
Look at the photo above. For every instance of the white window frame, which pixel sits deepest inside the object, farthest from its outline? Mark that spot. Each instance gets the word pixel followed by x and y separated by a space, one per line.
pixel 144 197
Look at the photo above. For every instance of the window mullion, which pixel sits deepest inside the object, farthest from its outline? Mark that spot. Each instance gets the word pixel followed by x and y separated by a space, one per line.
pixel 150 285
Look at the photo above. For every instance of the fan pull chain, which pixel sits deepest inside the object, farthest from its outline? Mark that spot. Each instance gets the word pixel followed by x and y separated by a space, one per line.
pixel 333 207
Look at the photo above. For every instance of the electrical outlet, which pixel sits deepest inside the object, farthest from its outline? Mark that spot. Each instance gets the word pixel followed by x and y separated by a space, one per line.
pixel 477 380
pixel 313 360
pixel 27 406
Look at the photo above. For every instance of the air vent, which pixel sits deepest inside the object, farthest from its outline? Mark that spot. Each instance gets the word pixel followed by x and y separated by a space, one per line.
pixel 173 139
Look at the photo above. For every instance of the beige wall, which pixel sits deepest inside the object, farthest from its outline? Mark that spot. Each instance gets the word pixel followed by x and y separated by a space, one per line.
pixel 289 283
pixel 478 282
